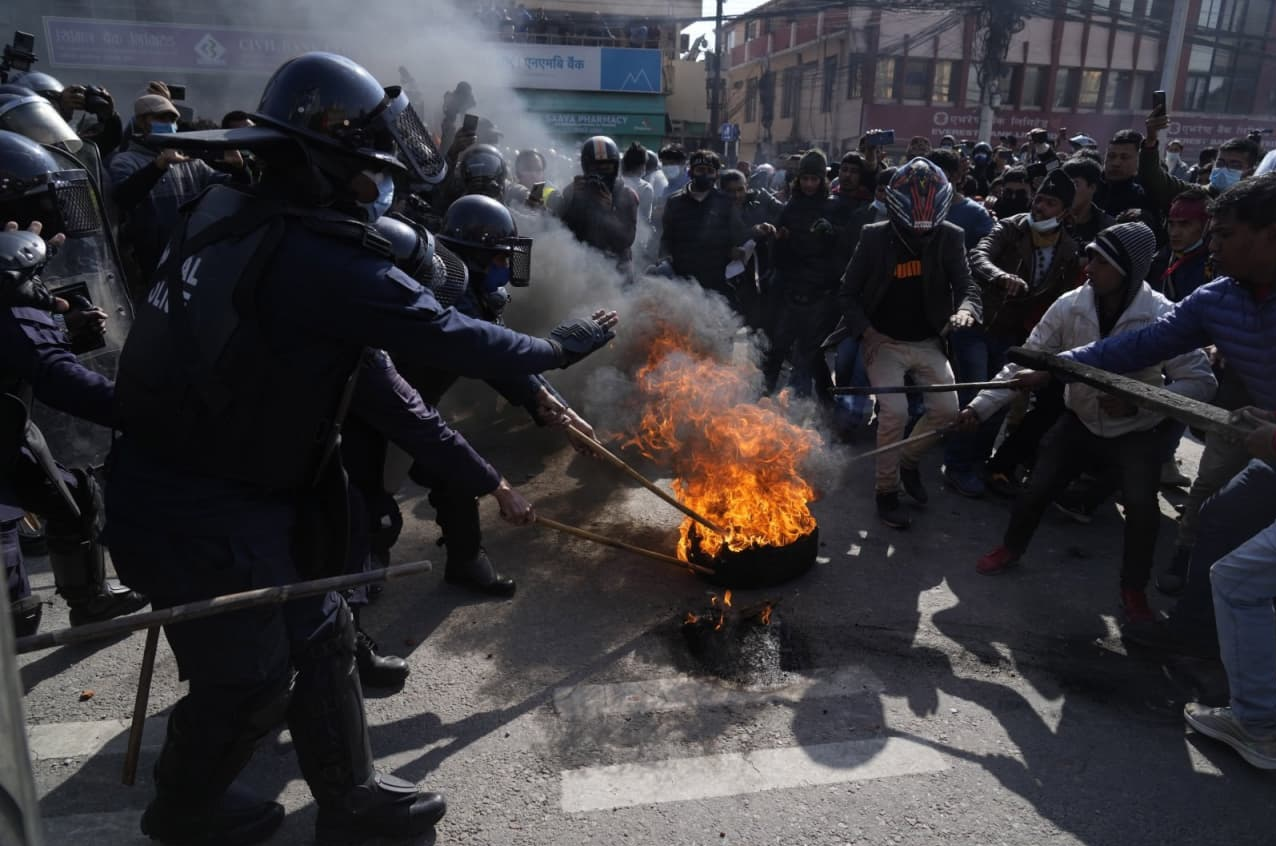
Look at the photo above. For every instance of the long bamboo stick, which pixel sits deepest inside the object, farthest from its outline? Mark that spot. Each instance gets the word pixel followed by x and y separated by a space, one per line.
pixel 619 544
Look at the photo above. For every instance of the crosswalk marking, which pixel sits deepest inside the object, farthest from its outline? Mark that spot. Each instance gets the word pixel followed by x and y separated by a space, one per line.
pixel 716 776
pixel 653 696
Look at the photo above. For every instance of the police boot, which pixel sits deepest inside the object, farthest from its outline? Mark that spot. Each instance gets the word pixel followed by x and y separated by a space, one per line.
pixel 196 801
pixel 79 570
pixel 330 734
pixel 26 613
pixel 376 671
pixel 467 562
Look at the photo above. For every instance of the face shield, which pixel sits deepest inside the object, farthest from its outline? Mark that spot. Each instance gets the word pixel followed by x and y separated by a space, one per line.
pixel 415 146
pixel 34 117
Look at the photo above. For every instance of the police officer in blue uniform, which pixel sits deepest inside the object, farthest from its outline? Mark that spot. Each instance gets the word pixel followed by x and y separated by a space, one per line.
pixel 38 360
pixel 232 388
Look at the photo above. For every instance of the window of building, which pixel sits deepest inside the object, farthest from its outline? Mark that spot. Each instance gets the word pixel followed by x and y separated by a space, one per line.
pixel 1065 88
pixel 752 29
pixel 1211 13
pixel 1141 92
pixel 766 98
pixel 1125 9
pixel 751 100
pixel 1116 96
pixel 828 84
pixel 1089 88
pixel 1033 91
pixel 884 84
pixel 914 79
pixel 791 91
pixel 942 91
pixel 1221 80
pixel 1005 86
pixel 854 76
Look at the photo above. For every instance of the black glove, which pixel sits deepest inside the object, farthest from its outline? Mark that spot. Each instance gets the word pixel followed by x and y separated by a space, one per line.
pixel 577 338
pixel 822 227
pixel 22 256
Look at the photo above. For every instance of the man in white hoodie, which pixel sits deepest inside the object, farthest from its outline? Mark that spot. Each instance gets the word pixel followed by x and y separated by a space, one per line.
pixel 1099 426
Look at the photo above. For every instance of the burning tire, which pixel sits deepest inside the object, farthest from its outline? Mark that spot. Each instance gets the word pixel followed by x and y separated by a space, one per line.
pixel 757 566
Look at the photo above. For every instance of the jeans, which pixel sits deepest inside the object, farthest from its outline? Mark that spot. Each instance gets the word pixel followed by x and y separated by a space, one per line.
pixel 976 357
pixel 849 371
pixel 1244 584
pixel 1241 509
pixel 888 362
pixel 1220 461
pixel 1065 452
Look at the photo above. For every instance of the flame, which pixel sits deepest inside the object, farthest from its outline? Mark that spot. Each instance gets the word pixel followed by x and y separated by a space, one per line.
pixel 736 460
pixel 690 619
pixel 726 599
pixel 765 617
pixel 722 619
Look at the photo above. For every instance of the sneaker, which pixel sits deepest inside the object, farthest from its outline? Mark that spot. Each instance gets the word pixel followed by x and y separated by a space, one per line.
pixel 1221 724
pixel 891 513
pixel 911 479
pixel 999 560
pixel 1072 508
pixel 1174 579
pixel 1172 476
pixel 1134 606
pixel 965 482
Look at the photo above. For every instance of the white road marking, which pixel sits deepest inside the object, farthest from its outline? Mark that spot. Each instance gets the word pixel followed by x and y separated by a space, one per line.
pixel 55 741
pixel 716 776
pixel 590 701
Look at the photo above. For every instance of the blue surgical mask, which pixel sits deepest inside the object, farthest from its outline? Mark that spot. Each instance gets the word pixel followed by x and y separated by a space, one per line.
pixel 496 277
pixel 385 195
pixel 672 172
pixel 1223 178
pixel 158 128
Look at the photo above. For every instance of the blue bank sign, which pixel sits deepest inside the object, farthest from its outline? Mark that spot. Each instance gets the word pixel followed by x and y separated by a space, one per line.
pixel 562 68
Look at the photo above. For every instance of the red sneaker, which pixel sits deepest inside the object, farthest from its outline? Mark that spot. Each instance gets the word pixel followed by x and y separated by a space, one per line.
pixel 1134 604
pixel 999 560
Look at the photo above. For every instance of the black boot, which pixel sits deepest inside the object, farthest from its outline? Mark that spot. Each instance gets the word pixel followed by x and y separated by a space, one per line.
pixel 196 802
pixel 79 569
pixel 911 479
pixel 479 574
pixel 330 734
pixel 1174 578
pixel 26 613
pixel 891 513
pixel 376 671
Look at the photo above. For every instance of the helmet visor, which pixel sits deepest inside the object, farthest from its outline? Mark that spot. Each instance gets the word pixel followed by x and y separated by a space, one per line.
pixel 416 147
pixel 36 118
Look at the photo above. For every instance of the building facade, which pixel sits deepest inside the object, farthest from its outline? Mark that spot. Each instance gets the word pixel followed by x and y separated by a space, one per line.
pixel 823 78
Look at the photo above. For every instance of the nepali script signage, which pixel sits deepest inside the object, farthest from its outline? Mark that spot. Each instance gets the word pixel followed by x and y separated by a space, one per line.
pixel 556 67
pixel 138 45
pixel 588 123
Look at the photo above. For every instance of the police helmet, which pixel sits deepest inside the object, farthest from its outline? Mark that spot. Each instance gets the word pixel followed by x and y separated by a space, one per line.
pixel 479 228
pixel 418 254
pixel 27 113
pixel 599 156
pixel 42 84
pixel 482 169
pixel 34 185
pixel 332 104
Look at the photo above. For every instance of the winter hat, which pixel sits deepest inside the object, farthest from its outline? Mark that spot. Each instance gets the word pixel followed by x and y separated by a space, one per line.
pixel 1057 184
pixel 153 104
pixel 813 163
pixel 1128 247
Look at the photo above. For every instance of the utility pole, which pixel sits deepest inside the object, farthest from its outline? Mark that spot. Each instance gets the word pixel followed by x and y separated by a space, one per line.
pixel 1174 52
pixel 997 23
pixel 715 95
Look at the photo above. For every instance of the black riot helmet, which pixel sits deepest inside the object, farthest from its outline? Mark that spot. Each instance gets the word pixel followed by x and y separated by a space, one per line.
pixel 482 169
pixel 420 255
pixel 334 106
pixel 478 228
pixel 599 156
pixel 27 113
pixel 46 86
pixel 34 185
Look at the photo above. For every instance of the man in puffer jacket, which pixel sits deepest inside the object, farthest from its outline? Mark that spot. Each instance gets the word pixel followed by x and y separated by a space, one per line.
pixel 1114 302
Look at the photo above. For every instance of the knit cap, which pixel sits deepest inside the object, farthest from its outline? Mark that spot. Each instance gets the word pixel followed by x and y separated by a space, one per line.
pixel 1129 247
pixel 813 163
pixel 1058 184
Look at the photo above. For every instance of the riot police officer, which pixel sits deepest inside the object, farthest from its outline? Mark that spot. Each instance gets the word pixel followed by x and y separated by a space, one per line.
pixel 38 360
pixel 232 388
pixel 598 207
pixel 482 171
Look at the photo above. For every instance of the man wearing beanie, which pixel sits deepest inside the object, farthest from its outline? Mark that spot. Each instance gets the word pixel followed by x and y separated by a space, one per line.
pixel 1098 427
pixel 1022 266
pixel 805 236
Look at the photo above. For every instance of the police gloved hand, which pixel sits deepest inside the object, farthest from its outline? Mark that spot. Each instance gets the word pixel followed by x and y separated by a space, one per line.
pixel 822 227
pixel 577 338
pixel 86 325
pixel 23 254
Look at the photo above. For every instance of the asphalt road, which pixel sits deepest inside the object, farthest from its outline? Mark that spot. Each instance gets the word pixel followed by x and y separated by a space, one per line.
pixel 919 703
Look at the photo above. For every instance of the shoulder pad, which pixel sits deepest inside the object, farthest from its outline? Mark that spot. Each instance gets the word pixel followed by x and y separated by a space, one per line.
pixel 345 229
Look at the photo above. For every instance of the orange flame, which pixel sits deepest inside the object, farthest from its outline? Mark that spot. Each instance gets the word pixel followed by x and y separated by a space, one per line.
pixel 726 599
pixel 736 459
pixel 722 619
pixel 765 617
pixel 690 619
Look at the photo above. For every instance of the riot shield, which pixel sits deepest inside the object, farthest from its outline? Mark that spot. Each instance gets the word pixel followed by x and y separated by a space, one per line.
pixel 88 267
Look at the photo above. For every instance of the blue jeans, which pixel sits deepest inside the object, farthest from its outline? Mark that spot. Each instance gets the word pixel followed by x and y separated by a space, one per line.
pixel 1244 582
pixel 976 357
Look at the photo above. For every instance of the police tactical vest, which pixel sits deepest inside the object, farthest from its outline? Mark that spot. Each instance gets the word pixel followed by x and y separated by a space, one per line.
pixel 199 385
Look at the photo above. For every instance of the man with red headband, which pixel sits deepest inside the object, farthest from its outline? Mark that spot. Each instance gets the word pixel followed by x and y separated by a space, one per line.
pixel 1189 267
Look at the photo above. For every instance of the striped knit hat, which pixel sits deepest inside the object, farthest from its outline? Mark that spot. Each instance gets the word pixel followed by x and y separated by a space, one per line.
pixel 1129 247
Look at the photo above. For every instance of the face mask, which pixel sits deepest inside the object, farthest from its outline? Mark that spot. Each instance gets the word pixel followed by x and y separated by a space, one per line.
pixel 1044 226
pixel 497 277
pixel 1173 159
pixel 385 195
pixel 671 172
pixel 158 128
pixel 702 182
pixel 1223 178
